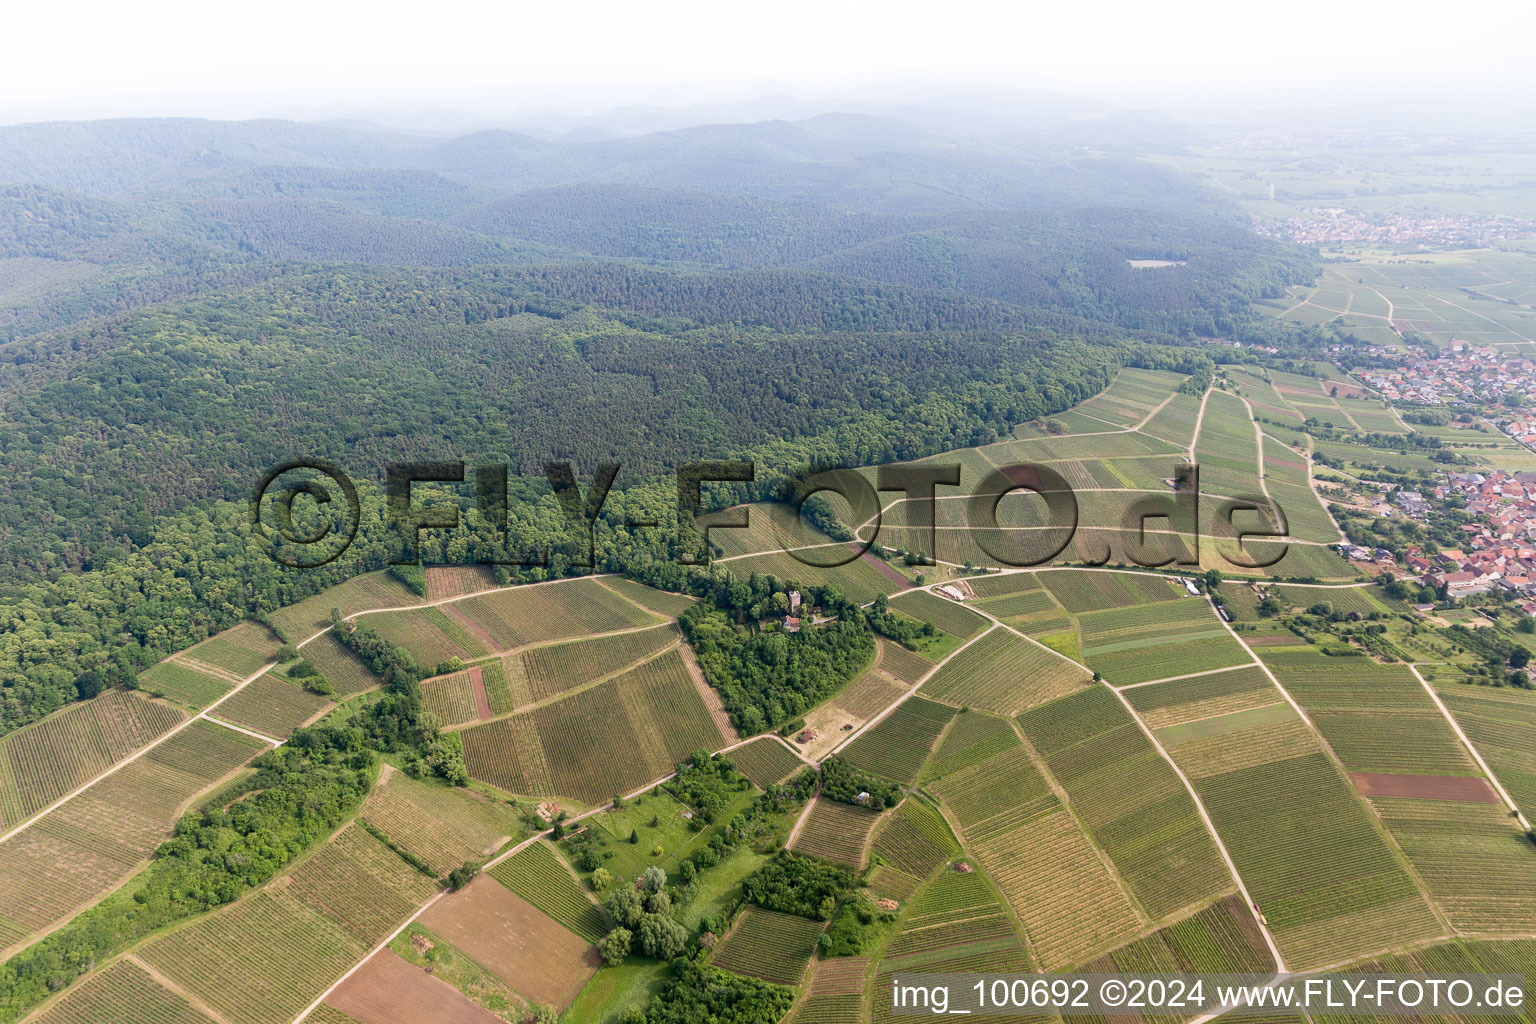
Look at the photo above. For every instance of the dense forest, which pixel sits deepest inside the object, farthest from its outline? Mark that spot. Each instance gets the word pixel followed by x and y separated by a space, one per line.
pixel 185 303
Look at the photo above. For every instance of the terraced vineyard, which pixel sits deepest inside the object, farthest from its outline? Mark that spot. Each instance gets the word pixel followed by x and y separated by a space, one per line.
pixel 768 945
pixel 45 760
pixel 897 747
pixel 1005 674
pixel 836 831
pixel 538 875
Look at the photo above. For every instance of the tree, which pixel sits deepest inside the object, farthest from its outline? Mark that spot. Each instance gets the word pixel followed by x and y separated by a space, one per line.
pixel 634 836
pixel 625 905
pixel 1212 579
pixel 654 879
pixel 662 937
pixel 461 876
pixel 615 946
pixel 88 684
pixel 1527 624
pixel 1519 657
pixel 658 903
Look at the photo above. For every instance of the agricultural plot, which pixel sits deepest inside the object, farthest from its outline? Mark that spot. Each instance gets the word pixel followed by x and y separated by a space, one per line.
pixel 1082 590
pixel 954 619
pixel 897 747
pixel 1304 843
pixel 769 946
pixel 447 581
pixel 1016 607
pixel 1361 600
pixel 553 670
pixel 915 840
pixel 1132 802
pixel 663 603
pixel 388 989
pixel 457 697
pixel 505 687
pixel 1223 938
pixel 1124 444
pixel 298 622
pixel 538 875
pixel 341 668
pixel 609 738
pixel 1161 705
pixel 1501 723
pixel 1305 518
pixel 972 738
pixel 92 843
pixel 431 635
pixel 544 612
pixel 1227 450
pixel 1157 641
pixel 443 827
pixel 301 952
pixel 1044 864
pixel 1442 838
pixel 184 684
pixel 361 884
pixel 123 993
pixel 241 649
pixel 955 907
pixel 272 707
pixel 901 665
pixel 859 580
pixel 837 832
pixel 1001 585
pixel 1005 674
pixel 996 956
pixel 1376 717
pixel 533 954
pixel 41 762
pixel 835 993
pixel 765 761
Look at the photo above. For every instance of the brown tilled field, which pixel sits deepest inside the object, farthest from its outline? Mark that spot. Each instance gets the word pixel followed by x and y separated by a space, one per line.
pixel 386 990
pixel 1426 787
pixel 540 958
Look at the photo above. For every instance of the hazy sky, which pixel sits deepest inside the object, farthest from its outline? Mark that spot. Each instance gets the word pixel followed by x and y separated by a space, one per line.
pixel 211 59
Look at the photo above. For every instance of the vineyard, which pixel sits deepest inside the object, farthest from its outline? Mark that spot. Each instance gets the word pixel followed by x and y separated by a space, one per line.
pixel 341 668
pixel 1004 585
pixel 1132 802
pixel 859 581
pixel 446 581
pixel 1018 606
pixel 361 884
pixel 538 875
pixel 1081 590
pixel 1227 449
pixel 836 831
pixel 663 603
pixel 1005 674
pixel 123 993
pixel 300 953
pixel 954 619
pixel 88 845
pixel 835 993
pixel 513 618
pixel 770 946
pixel 1502 725
pixel 902 665
pixel 1344 600
pixel 431 635
pixel 1155 641
pixel 553 670
pixel 497 752
pixel 452 698
pixel 184 684
pixel 1175 422
pixel 897 747
pixel 1441 838
pixel 765 761
pixel 444 827
pixel 955 907
pixel 1220 693
pixel 241 649
pixel 972 738
pixel 1223 938
pixel 272 707
pixel 915 840
pixel 298 622
pixel 45 760
pixel 1313 859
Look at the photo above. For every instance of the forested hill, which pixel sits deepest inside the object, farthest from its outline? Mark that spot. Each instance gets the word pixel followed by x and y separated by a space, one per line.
pixel 184 303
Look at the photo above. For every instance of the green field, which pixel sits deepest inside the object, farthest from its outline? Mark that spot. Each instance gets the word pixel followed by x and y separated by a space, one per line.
pixel 767 945
pixel 1080 590
pixel 1004 673
pixel 952 618
pixel 899 745
pixel 1154 641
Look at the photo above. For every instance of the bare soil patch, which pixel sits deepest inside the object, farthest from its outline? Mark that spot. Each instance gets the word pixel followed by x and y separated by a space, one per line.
pixel 1426 787
pixel 387 990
